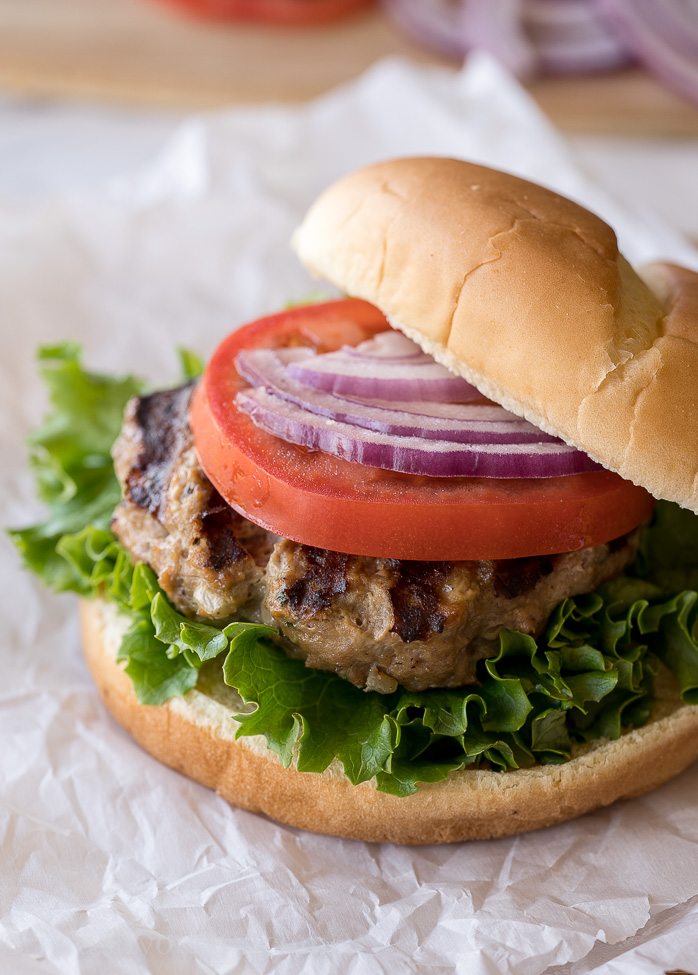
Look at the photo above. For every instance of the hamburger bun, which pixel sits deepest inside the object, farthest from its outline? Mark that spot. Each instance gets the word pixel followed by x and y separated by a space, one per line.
pixel 525 294
pixel 195 735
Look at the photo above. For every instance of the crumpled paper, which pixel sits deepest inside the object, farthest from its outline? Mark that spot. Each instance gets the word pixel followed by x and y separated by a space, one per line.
pixel 111 862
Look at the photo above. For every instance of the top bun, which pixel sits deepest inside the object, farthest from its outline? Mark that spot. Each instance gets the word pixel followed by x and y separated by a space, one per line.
pixel 526 295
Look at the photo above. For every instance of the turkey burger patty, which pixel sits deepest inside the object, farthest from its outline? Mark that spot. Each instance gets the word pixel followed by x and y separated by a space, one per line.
pixel 378 622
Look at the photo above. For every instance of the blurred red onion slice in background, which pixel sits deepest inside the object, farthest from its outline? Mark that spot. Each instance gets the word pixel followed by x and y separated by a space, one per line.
pixel 563 36
pixel 526 36
pixel 662 34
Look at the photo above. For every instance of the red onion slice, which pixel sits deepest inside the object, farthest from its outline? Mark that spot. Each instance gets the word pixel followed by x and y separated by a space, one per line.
pixel 444 411
pixel 390 344
pixel 663 34
pixel 409 455
pixel 387 367
pixel 456 423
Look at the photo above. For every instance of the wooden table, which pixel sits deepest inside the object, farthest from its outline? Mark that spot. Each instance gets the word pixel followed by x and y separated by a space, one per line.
pixel 136 52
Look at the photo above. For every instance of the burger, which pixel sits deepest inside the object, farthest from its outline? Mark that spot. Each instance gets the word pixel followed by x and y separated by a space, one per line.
pixel 391 568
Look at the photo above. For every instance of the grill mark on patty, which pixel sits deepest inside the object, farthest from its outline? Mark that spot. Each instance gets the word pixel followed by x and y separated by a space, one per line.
pixel 209 559
pixel 324 577
pixel 415 598
pixel 216 524
pixel 515 577
pixel 161 417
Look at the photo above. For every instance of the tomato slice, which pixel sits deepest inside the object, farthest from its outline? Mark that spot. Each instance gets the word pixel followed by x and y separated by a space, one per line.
pixel 287 12
pixel 321 500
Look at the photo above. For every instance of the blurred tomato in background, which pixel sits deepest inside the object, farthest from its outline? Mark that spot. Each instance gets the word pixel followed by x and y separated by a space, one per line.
pixel 286 12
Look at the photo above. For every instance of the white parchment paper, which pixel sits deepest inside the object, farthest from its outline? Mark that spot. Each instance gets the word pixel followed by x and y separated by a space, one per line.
pixel 112 863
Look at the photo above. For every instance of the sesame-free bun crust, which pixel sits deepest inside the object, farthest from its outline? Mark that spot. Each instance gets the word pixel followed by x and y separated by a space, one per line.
pixel 195 735
pixel 525 294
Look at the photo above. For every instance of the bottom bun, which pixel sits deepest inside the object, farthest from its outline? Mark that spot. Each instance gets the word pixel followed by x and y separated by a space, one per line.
pixel 195 735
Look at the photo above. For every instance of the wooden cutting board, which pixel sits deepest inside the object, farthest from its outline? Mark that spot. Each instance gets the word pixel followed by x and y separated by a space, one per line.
pixel 139 52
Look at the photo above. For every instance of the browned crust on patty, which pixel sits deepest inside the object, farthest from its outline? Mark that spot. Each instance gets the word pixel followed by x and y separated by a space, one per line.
pixel 414 594
pixel 381 623
pixel 323 579
pixel 208 558
pixel 161 422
